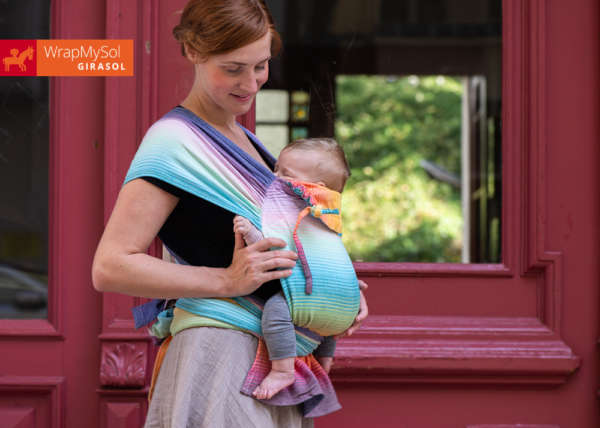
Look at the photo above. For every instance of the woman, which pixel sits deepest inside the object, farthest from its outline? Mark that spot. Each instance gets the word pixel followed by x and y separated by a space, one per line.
pixel 229 43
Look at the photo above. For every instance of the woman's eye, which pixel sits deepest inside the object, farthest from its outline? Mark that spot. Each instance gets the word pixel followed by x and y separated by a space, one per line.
pixel 233 70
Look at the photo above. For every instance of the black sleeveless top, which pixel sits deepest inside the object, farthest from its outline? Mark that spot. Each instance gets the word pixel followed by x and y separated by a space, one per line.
pixel 201 233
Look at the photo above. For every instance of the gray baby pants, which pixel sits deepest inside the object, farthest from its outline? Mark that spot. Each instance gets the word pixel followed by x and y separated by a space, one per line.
pixel 279 334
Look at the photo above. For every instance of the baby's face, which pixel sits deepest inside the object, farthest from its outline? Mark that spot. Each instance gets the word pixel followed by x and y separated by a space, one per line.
pixel 302 165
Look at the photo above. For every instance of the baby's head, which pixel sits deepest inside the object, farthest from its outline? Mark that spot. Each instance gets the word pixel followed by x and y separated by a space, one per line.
pixel 315 160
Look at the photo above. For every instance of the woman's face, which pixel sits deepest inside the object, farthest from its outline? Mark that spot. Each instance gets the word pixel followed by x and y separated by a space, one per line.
pixel 229 82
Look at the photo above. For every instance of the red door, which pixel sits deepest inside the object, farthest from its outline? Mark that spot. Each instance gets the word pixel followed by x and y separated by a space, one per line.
pixel 457 345
pixel 52 144
pixel 502 344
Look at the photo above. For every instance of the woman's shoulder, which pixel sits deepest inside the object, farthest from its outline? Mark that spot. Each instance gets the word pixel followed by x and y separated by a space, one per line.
pixel 168 151
pixel 169 126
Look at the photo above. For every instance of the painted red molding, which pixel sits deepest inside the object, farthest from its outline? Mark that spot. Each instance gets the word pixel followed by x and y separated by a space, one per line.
pixel 435 270
pixel 43 394
pixel 537 258
pixel 130 108
pixel 118 394
pixel 122 408
pixel 513 426
pixel 18 417
pixel 52 327
pixel 123 415
pixel 396 349
pixel 123 365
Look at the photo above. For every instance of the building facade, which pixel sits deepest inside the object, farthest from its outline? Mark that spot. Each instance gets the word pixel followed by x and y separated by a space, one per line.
pixel 507 338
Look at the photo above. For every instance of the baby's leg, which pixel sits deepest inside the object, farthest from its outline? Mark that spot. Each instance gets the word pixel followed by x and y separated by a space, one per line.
pixel 280 338
pixel 324 352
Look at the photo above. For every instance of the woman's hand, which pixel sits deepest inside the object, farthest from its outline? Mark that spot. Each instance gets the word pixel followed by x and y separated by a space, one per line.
pixel 255 264
pixel 363 312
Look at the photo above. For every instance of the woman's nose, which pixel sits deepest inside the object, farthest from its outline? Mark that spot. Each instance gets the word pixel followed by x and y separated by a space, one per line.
pixel 250 82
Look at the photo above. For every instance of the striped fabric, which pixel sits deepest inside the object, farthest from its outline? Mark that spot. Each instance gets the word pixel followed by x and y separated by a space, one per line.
pixel 185 151
pixel 333 303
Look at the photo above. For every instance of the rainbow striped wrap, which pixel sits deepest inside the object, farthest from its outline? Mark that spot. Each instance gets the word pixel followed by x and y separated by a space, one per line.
pixel 184 151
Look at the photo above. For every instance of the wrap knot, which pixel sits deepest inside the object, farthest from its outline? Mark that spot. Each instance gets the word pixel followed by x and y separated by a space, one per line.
pixel 316 211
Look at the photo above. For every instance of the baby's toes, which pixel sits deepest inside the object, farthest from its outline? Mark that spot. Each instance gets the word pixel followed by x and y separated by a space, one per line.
pixel 270 393
pixel 258 392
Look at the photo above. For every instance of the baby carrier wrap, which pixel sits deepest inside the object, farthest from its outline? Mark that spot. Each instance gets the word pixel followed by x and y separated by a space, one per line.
pixel 184 151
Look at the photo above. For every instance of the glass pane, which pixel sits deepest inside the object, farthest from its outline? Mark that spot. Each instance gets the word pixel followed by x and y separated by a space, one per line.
pixel 300 106
pixel 274 137
pixel 24 135
pixel 272 106
pixel 298 133
pixel 412 91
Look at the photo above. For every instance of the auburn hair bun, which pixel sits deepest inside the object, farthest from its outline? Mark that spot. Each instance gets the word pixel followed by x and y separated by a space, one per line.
pixel 211 27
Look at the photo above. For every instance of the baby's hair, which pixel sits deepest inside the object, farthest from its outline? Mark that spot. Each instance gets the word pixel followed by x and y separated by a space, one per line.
pixel 327 145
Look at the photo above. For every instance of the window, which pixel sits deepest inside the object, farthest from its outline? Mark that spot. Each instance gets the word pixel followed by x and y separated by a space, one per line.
pixel 411 89
pixel 24 136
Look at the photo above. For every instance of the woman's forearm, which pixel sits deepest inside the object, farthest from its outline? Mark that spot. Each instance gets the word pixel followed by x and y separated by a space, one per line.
pixel 146 276
pixel 121 264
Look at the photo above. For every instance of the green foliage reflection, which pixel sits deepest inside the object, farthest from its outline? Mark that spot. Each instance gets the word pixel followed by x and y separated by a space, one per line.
pixel 393 211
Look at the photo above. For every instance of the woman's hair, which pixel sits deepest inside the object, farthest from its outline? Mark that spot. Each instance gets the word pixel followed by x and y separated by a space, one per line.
pixel 211 27
pixel 327 146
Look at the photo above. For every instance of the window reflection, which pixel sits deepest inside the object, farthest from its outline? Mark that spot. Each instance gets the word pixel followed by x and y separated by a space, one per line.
pixel 24 135
pixel 412 90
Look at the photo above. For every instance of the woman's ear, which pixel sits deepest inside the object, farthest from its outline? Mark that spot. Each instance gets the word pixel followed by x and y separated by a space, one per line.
pixel 191 54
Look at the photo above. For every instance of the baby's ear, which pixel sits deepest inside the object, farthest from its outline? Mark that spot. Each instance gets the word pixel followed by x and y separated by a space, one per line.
pixel 320 183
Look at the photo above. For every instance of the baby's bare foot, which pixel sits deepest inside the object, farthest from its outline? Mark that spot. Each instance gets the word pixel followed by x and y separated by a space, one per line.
pixel 273 383
pixel 326 363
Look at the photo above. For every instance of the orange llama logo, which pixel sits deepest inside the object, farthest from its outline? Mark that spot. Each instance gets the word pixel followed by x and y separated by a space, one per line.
pixel 18 59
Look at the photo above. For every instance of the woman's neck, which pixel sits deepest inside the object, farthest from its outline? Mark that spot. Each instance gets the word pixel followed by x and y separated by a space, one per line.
pixel 217 118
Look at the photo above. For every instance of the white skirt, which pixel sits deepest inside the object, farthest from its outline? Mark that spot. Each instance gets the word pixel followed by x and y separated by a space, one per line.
pixel 200 380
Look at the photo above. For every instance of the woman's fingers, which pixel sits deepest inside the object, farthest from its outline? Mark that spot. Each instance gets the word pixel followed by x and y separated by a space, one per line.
pixel 276 258
pixel 280 254
pixel 276 274
pixel 267 243
pixel 276 263
pixel 363 311
pixel 256 264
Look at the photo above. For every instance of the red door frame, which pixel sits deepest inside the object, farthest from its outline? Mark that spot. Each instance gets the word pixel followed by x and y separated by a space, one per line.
pixel 496 327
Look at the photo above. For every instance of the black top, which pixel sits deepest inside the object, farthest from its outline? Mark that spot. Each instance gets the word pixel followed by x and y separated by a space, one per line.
pixel 201 233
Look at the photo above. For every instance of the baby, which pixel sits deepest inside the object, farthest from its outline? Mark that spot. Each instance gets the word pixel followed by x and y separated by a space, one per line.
pixel 319 161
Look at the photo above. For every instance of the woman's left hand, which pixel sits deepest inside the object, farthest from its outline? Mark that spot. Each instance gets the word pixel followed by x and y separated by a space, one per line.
pixel 363 312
